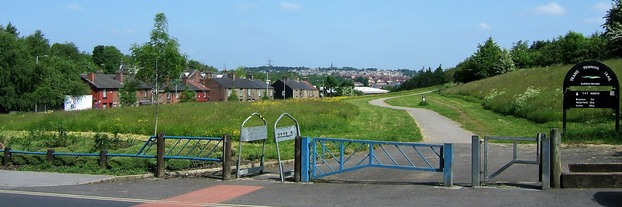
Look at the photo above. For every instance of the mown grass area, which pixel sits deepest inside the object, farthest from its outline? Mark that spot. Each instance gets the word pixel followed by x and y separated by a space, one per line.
pixel 129 126
pixel 522 103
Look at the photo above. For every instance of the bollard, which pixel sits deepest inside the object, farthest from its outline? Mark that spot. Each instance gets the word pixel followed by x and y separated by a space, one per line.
pixel 7 156
pixel 297 159
pixel 50 155
pixel 226 162
pixel 161 146
pixel 103 159
pixel 556 160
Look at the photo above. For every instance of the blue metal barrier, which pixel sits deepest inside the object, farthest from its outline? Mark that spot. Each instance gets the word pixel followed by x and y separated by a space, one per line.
pixel 329 156
pixel 186 148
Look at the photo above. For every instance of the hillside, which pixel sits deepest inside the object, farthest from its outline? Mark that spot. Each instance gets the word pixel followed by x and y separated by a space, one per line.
pixel 536 95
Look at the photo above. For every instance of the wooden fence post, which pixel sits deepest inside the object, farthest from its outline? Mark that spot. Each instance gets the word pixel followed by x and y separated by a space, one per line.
pixel 103 159
pixel 161 146
pixel 226 156
pixel 50 155
pixel 7 156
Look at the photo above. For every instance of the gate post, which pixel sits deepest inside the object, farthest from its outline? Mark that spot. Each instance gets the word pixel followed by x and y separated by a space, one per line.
pixel 556 160
pixel 226 162
pixel 476 161
pixel 50 155
pixel 545 161
pixel 160 155
pixel 297 158
pixel 7 156
pixel 304 159
pixel 103 159
pixel 448 162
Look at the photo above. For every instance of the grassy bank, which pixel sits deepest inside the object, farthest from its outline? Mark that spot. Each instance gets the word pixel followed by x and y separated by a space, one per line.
pixel 522 103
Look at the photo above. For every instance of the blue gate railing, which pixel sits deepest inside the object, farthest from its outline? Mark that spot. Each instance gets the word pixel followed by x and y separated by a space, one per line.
pixel 188 148
pixel 329 156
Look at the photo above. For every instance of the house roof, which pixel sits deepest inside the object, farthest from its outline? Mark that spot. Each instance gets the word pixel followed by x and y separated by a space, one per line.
pixel 102 81
pixel 299 85
pixel 240 83
pixel 313 88
pixel 192 86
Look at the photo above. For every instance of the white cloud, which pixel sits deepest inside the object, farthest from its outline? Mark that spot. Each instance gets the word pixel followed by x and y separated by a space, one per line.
pixel 550 9
pixel 74 7
pixel 290 6
pixel 601 6
pixel 484 26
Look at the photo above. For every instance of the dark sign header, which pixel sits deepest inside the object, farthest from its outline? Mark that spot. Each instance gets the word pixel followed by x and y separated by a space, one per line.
pixel 590 74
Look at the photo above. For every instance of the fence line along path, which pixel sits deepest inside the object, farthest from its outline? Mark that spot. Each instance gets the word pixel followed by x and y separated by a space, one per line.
pixel 434 127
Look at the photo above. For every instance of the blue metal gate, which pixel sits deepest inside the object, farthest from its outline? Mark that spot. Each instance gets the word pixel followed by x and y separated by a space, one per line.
pixel 329 156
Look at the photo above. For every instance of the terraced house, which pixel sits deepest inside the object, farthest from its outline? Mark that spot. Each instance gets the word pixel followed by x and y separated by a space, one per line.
pixel 105 89
pixel 246 89
pixel 285 89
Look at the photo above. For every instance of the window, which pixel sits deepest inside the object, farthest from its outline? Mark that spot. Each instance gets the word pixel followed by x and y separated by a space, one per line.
pixel 146 93
pixel 168 95
pixel 204 94
pixel 105 95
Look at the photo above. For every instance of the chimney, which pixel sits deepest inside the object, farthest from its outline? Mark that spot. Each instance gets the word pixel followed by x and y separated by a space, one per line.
pixel 249 76
pixel 285 77
pixel 184 78
pixel 231 76
pixel 119 76
pixel 91 76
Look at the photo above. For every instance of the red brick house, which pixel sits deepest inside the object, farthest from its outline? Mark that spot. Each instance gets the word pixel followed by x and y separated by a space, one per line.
pixel 104 89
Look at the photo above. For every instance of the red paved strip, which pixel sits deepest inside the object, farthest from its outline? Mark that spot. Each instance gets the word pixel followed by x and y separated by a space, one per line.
pixel 215 194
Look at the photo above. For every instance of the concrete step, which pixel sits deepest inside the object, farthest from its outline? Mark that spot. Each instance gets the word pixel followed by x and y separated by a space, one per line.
pixel 596 175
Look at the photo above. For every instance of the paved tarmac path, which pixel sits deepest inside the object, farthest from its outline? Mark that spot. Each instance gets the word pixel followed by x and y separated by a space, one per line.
pixel 434 127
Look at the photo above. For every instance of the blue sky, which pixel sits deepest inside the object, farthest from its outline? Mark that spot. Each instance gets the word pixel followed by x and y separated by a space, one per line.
pixel 364 34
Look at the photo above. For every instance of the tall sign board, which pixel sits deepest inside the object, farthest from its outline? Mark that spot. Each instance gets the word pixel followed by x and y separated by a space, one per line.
pixel 598 77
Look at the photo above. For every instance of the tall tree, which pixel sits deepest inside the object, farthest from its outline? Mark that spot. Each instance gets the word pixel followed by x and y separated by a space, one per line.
pixel 521 55
pixel 613 28
pixel 330 85
pixel 15 71
pixel 108 58
pixel 11 29
pixel 160 59
pixel 484 63
pixel 38 44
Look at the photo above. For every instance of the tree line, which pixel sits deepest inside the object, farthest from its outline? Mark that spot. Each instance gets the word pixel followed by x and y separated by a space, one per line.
pixel 490 59
pixel 36 75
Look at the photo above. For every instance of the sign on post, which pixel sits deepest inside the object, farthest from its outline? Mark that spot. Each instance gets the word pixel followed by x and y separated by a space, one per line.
pixel 285 133
pixel 250 134
pixel 595 75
